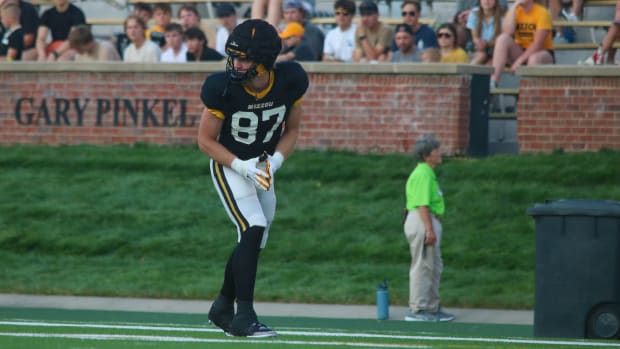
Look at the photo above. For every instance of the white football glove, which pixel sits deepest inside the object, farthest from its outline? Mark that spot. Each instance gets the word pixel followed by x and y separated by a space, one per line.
pixel 275 162
pixel 247 169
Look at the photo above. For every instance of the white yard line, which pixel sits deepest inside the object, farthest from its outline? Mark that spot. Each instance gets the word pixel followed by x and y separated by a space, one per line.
pixel 576 343
pixel 119 337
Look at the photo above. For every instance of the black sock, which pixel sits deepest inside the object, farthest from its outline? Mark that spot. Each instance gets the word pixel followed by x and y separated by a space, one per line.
pixel 245 263
pixel 228 287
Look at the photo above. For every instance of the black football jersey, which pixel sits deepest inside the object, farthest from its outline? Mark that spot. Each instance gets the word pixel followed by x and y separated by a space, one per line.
pixel 253 124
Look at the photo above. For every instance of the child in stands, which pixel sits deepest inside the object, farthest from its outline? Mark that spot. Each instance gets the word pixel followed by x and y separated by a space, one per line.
pixel 12 43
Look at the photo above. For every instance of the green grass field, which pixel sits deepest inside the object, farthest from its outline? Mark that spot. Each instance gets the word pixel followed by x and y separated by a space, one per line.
pixel 144 221
pixel 25 328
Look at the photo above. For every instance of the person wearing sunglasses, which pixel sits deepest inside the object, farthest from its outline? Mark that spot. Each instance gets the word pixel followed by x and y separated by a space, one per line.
pixel 407 51
pixel 450 52
pixel 526 38
pixel 372 37
pixel 411 10
pixel 340 41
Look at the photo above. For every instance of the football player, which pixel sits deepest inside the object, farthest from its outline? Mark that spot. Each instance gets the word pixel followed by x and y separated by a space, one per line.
pixel 251 109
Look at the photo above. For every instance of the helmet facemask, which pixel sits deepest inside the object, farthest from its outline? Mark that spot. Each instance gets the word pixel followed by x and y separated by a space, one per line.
pixel 256 41
pixel 236 77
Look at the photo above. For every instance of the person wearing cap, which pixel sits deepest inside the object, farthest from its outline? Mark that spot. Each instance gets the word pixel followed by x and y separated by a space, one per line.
pixel 295 49
pixel 340 41
pixel 227 15
pixel 190 18
pixel 372 37
pixel 405 39
pixel 299 11
pixel 424 35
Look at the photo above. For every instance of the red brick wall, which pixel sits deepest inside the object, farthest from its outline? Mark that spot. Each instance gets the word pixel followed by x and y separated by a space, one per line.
pixel 345 111
pixel 385 113
pixel 573 113
pixel 32 107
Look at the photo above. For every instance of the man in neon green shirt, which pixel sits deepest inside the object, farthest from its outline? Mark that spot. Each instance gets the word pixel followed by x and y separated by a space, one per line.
pixel 423 231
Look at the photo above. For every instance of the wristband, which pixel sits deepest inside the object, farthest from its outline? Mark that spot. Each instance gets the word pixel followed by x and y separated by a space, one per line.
pixel 55 53
pixel 276 160
pixel 363 37
pixel 238 166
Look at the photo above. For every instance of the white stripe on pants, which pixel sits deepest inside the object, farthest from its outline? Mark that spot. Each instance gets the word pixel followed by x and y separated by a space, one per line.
pixel 426 264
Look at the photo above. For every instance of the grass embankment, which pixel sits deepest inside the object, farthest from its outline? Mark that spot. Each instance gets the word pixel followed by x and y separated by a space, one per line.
pixel 145 221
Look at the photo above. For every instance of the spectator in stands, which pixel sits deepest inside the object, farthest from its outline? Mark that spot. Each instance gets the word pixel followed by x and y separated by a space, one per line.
pixel 88 49
pixel 197 47
pixel 12 43
pixel 144 11
pixel 162 16
pixel 463 34
pixel 424 35
pixel 431 55
pixel 485 24
pixel 564 34
pixel 405 41
pixel 372 37
pixel 607 47
pixel 189 17
pixel 340 41
pixel 58 20
pixel 140 50
pixel 555 6
pixel 227 16
pixel 295 49
pixel 525 38
pixel 450 51
pixel 29 21
pixel 176 51
pixel 464 7
pixel 296 11
pixel 269 10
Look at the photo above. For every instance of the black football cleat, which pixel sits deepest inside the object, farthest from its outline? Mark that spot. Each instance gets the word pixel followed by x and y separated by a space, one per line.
pixel 255 330
pixel 221 314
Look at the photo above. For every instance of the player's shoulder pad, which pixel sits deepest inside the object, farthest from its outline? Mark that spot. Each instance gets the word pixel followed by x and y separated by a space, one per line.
pixel 295 74
pixel 213 87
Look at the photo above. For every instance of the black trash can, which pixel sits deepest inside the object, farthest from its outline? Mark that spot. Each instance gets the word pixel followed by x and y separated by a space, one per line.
pixel 577 269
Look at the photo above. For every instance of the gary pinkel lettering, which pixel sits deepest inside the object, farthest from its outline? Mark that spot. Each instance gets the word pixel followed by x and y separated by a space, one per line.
pixel 116 112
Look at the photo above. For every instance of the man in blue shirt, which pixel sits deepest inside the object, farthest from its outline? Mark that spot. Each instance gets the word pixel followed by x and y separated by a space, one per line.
pixel 424 35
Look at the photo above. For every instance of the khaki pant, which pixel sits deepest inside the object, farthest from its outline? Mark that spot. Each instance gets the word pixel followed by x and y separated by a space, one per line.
pixel 426 264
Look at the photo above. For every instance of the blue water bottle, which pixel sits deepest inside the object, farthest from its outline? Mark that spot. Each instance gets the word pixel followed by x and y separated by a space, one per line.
pixel 383 301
